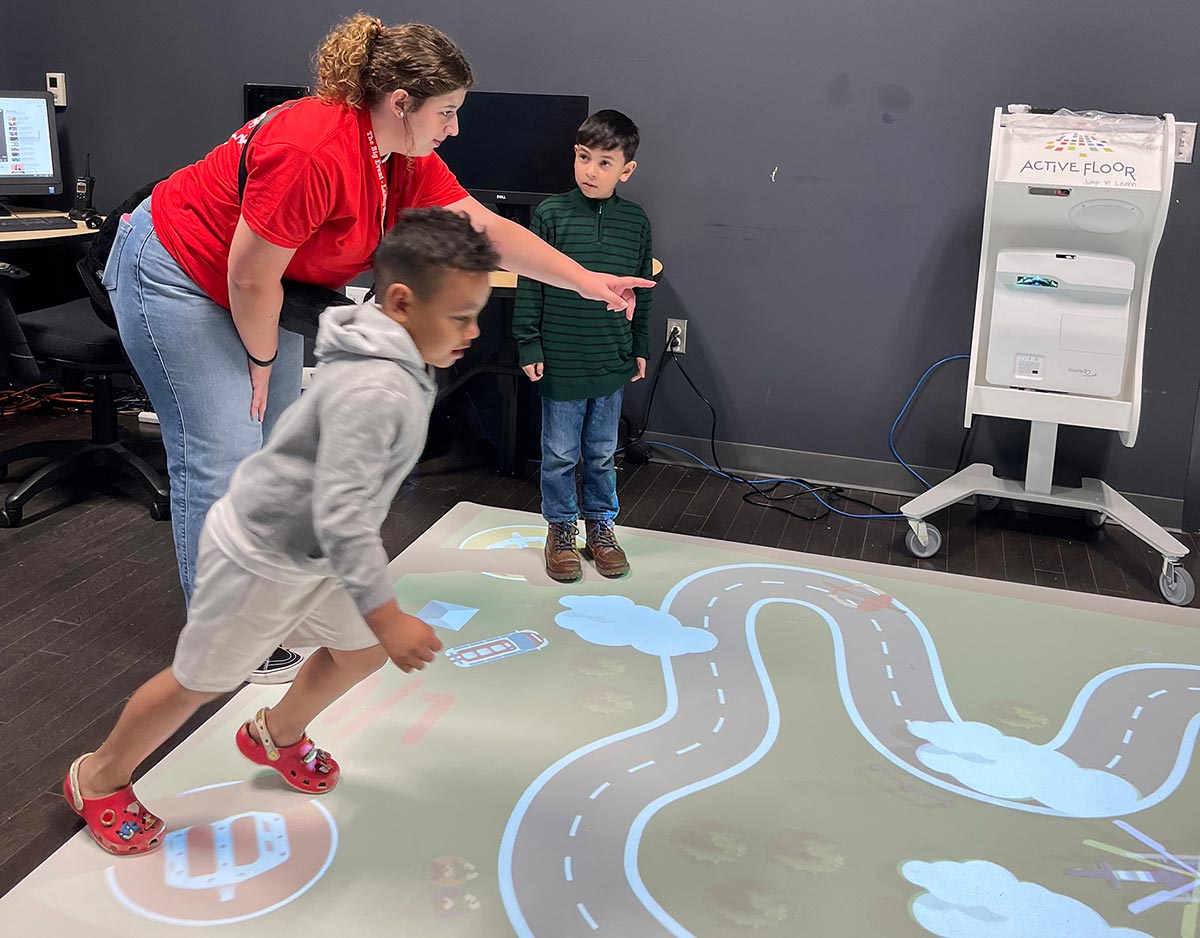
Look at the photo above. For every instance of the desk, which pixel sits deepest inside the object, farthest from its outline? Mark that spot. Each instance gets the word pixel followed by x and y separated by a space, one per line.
pixel 49 257
pixel 504 280
pixel 28 239
pixel 516 389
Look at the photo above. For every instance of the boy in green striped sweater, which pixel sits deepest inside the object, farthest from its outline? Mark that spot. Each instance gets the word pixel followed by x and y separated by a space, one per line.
pixel 580 354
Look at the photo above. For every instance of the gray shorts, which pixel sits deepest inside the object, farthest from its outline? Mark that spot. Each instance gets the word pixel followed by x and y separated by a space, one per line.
pixel 245 605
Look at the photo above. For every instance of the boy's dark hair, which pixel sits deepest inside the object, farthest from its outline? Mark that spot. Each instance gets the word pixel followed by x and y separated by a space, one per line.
pixel 609 130
pixel 424 244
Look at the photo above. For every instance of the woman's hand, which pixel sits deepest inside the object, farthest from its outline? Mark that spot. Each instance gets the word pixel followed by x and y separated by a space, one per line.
pixel 260 380
pixel 616 292
pixel 255 296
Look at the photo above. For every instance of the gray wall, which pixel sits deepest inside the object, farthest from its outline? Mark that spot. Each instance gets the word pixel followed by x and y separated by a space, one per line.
pixel 816 300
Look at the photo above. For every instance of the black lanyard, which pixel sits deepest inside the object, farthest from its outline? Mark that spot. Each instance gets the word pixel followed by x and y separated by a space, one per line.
pixel 243 172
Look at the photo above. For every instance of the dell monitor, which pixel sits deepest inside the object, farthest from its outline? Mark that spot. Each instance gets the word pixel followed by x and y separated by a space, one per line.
pixel 28 145
pixel 515 149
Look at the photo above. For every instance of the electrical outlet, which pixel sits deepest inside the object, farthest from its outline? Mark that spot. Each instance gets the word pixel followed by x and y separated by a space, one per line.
pixel 1185 140
pixel 681 324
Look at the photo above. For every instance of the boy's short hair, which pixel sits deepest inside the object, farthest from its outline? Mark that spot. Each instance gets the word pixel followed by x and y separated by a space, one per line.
pixel 425 243
pixel 609 130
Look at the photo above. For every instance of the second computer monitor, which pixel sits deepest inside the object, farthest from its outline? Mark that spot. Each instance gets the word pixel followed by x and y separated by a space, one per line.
pixel 515 148
pixel 259 98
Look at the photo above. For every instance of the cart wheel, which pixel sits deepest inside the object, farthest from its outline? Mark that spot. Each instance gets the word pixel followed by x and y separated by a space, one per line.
pixel 987 502
pixel 1177 586
pixel 924 551
pixel 1095 519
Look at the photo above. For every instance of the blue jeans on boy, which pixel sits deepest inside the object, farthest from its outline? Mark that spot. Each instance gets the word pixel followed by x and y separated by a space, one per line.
pixel 573 432
pixel 191 361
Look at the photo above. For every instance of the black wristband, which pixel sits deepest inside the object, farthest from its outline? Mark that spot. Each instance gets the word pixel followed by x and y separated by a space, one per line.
pixel 260 362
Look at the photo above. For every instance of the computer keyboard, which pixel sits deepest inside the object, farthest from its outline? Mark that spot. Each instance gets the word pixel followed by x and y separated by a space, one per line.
pixel 36 223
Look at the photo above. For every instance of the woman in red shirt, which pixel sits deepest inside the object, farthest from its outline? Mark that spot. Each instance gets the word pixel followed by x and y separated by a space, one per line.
pixel 195 271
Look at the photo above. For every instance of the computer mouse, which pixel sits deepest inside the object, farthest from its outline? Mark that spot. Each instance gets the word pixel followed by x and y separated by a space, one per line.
pixel 94 221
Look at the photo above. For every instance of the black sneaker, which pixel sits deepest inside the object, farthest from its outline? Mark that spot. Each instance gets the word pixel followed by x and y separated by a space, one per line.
pixel 280 668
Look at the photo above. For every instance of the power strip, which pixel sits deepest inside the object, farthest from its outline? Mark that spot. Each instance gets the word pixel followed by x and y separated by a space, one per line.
pixel 148 416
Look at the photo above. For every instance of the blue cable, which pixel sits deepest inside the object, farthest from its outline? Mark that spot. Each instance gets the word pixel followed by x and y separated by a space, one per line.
pixel 903 410
pixel 809 489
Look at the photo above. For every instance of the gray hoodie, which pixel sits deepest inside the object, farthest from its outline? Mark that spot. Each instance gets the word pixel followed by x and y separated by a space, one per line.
pixel 317 493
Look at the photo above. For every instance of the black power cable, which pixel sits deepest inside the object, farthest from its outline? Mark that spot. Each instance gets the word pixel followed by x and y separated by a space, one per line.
pixel 760 494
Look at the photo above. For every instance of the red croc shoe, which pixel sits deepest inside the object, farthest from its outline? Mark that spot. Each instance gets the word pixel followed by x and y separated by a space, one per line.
pixel 302 764
pixel 117 822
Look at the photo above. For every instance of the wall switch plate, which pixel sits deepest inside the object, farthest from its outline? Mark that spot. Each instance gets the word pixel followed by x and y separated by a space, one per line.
pixel 1185 140
pixel 56 84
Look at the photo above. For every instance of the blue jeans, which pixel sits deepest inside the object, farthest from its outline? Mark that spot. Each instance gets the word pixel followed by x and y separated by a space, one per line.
pixel 190 358
pixel 573 432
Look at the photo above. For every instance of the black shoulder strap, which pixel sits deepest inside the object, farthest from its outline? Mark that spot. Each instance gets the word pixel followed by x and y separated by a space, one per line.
pixel 242 171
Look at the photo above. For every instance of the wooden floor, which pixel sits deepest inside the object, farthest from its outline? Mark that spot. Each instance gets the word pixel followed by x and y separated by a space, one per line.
pixel 90 605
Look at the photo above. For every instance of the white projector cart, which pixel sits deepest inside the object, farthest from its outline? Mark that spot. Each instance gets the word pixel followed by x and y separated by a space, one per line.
pixel 1075 210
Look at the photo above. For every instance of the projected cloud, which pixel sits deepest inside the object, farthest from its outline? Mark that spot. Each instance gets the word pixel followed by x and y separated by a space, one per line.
pixel 617 621
pixel 982 900
pixel 984 759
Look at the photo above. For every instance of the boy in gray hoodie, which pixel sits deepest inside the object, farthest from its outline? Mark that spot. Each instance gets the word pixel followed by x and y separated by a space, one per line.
pixel 292 553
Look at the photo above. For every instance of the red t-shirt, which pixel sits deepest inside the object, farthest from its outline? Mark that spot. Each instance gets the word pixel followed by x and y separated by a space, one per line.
pixel 311 185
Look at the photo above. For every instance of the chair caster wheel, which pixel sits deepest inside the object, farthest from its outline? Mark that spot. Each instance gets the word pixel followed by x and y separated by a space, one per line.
pixel 10 517
pixel 160 511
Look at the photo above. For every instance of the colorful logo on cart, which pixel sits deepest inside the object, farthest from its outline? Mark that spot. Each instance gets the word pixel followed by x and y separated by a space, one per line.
pixel 1079 144
pixel 493 649
pixel 238 867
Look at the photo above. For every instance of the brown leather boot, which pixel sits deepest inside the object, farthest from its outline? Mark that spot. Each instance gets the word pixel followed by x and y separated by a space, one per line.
pixel 562 556
pixel 605 551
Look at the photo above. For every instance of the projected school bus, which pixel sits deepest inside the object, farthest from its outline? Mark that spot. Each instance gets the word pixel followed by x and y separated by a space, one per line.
pixel 493 649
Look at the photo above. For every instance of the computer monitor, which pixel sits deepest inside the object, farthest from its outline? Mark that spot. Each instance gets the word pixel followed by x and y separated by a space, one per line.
pixel 29 162
pixel 515 148
pixel 259 98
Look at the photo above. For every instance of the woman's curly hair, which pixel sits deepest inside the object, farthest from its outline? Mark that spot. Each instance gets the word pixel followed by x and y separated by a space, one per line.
pixel 362 60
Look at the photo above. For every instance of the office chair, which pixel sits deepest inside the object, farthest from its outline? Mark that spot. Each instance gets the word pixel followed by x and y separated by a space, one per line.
pixel 78 336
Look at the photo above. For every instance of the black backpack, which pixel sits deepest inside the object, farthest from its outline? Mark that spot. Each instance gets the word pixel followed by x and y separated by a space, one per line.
pixel 91 265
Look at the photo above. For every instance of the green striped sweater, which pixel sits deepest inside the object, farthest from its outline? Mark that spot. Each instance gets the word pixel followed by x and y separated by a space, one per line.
pixel 586 350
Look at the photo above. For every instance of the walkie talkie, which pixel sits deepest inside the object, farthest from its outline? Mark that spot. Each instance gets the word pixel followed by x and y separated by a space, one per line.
pixel 83 194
